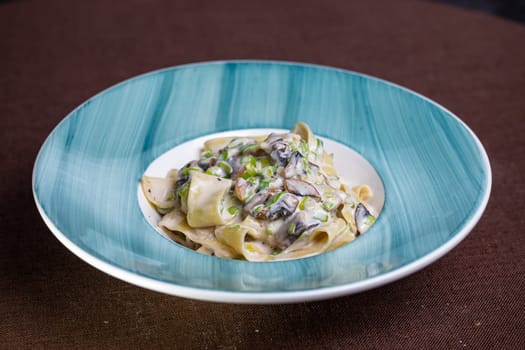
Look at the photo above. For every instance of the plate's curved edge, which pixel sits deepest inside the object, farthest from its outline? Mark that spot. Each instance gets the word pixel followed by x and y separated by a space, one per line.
pixel 284 296
pixel 268 297
pixel 290 63
pixel 281 62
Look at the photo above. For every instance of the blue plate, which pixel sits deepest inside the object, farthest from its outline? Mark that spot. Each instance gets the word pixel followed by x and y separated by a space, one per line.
pixel 435 172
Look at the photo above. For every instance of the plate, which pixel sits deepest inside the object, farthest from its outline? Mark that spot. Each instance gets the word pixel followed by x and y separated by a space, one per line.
pixel 435 173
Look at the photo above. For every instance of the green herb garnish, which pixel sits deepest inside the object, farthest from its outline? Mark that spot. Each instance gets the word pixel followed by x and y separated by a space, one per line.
pixel 233 210
pixel 249 147
pixel 264 184
pixel 187 171
pixel 182 192
pixel 224 155
pixel 277 251
pixel 258 208
pixel 274 199
pixel 225 166
pixel 327 205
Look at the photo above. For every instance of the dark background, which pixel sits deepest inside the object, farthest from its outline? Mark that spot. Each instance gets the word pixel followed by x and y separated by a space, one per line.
pixel 510 9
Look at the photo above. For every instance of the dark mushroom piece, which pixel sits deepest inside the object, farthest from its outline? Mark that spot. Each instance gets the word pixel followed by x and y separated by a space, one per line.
pixel 293 228
pixel 267 144
pixel 362 218
pixel 183 175
pixel 272 138
pixel 294 166
pixel 281 153
pixel 301 188
pixel 283 206
pixel 237 168
pixel 300 223
pixel 257 200
pixel 206 163
pixel 245 189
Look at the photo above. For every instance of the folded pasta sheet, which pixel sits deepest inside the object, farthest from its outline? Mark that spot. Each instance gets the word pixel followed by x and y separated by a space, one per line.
pixel 206 200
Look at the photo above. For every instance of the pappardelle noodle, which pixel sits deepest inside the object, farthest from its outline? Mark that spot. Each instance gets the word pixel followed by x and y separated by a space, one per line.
pixel 260 198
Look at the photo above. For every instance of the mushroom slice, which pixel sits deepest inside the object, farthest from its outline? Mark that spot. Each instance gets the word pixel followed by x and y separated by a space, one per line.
pixel 267 143
pixel 183 175
pixel 273 137
pixel 281 153
pixel 255 201
pixel 205 163
pixel 292 228
pixel 300 223
pixel 301 188
pixel 294 166
pixel 281 205
pixel 363 218
pixel 245 189
pixel 237 168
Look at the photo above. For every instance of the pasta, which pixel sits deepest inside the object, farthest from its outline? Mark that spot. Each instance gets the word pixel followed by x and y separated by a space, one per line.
pixel 260 198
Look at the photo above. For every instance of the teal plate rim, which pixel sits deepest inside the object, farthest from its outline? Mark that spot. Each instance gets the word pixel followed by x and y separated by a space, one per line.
pixel 325 285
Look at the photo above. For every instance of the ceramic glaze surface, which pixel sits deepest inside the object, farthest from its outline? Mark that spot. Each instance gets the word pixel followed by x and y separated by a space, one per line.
pixel 435 173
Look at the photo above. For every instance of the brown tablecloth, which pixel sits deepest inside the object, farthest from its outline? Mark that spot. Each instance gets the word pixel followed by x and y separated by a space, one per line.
pixel 56 54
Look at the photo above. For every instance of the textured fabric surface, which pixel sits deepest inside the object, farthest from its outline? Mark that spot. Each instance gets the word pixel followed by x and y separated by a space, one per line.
pixel 55 54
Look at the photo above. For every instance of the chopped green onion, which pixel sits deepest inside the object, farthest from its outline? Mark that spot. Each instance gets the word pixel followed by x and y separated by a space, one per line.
pixel 274 199
pixel 233 210
pixel 264 162
pixel 257 209
pixel 207 154
pixel 301 203
pixel 370 220
pixel 249 161
pixel 187 171
pixel 216 171
pixel 306 166
pixel 321 217
pixel 225 166
pixel 264 184
pixel 307 203
pixel 303 149
pixel 254 181
pixel 183 190
pixel 291 229
pixel 234 143
pixel 277 251
pixel 268 171
pixel 164 210
pixel 249 147
pixel 333 177
pixel 249 173
pixel 327 205
pixel 319 145
pixel 224 155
